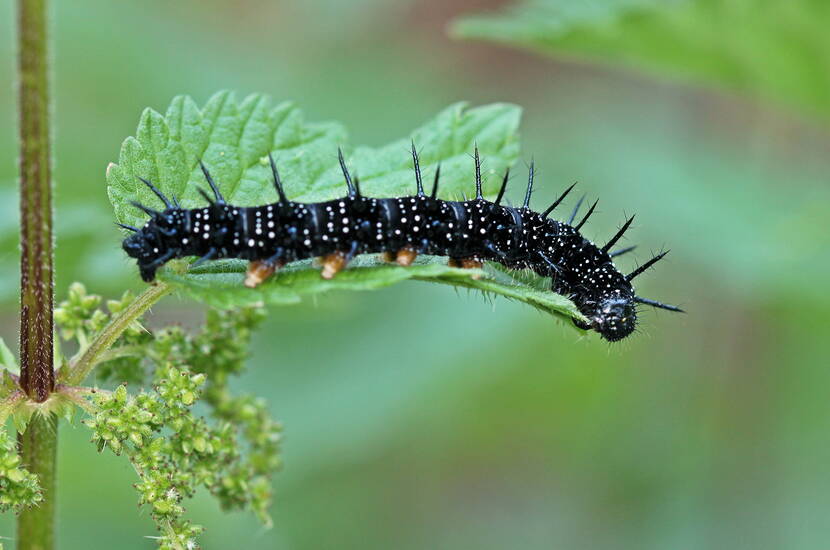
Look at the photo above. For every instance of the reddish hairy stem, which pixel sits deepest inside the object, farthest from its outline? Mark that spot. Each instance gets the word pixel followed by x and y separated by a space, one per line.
pixel 37 375
pixel 38 444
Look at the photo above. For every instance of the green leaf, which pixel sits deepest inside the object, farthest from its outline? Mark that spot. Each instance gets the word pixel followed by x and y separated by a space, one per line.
pixel 220 283
pixel 771 50
pixel 234 138
pixel 10 402
pixel 7 358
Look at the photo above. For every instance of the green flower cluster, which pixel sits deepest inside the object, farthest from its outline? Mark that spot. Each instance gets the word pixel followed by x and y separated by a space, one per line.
pixel 78 316
pixel 219 351
pixel 81 319
pixel 174 451
pixel 18 488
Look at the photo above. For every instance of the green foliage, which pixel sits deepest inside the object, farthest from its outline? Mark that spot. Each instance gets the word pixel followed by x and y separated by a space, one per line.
pixel 174 452
pixel 18 487
pixel 217 352
pixel 234 140
pixel 170 466
pixel 80 319
pixel 78 316
pixel 773 50
pixel 124 361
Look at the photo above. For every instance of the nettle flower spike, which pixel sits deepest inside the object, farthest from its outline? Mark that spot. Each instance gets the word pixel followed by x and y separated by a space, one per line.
pixel 19 488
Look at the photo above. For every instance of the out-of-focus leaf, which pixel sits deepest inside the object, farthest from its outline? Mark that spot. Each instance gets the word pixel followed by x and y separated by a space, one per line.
pixel 772 50
pixel 234 139
pixel 7 358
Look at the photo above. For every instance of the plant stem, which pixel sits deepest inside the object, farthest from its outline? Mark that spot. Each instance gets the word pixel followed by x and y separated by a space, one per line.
pixel 37 376
pixel 38 444
pixel 83 364
pixel 38 447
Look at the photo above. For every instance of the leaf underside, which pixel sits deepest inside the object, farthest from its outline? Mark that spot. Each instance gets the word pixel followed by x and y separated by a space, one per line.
pixel 234 138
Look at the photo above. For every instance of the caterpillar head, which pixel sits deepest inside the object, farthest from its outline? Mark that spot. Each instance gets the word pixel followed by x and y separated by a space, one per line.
pixel 614 317
pixel 155 243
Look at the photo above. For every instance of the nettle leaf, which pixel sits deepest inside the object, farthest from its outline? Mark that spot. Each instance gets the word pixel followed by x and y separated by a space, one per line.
pixel 234 139
pixel 772 50
pixel 219 283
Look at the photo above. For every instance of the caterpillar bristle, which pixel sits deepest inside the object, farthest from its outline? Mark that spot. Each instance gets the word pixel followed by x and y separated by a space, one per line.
pixel 551 264
pixel 479 196
pixel 352 190
pixel 550 208
pixel 277 183
pixel 435 182
pixel 419 184
pixel 529 192
pixel 576 210
pixel 158 193
pixel 655 303
pixel 146 209
pixel 128 227
pixel 216 194
pixel 588 215
pixel 503 187
pixel 622 251
pixel 645 266
pixel 205 196
pixel 616 238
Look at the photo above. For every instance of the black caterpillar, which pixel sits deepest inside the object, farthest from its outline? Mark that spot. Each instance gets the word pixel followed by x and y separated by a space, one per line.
pixel 469 232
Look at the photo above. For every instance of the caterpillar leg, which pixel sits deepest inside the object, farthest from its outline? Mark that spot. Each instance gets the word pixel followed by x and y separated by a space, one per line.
pixel 337 261
pixel 260 270
pixel 467 263
pixel 403 257
pixel 406 256
pixel 332 264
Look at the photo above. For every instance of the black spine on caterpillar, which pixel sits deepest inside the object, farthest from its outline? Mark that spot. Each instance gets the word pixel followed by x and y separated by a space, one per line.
pixel 475 230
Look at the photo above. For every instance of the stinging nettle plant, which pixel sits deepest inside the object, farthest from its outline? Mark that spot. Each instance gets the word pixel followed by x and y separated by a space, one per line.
pixel 234 450
pixel 235 453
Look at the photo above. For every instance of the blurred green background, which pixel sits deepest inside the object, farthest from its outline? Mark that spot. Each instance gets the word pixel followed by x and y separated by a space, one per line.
pixel 418 417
